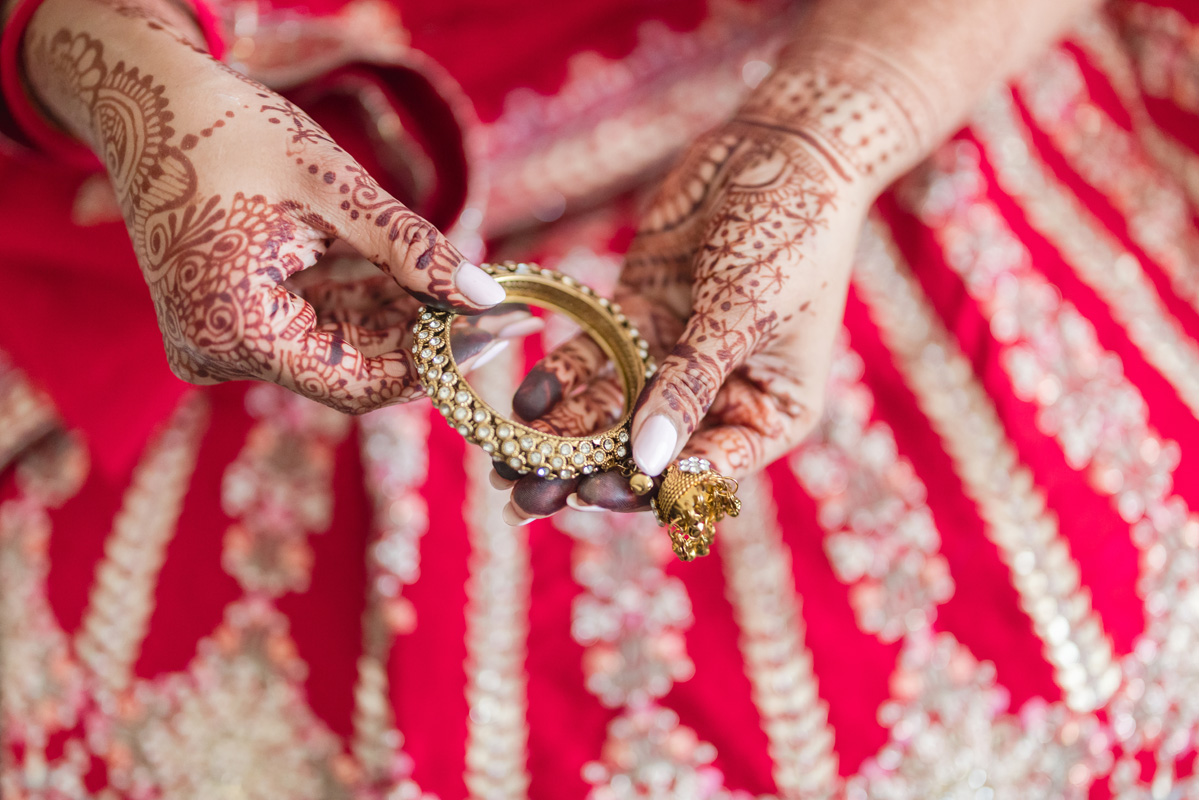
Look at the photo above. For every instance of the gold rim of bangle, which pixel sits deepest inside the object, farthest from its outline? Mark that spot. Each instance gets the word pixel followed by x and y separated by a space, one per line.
pixel 524 449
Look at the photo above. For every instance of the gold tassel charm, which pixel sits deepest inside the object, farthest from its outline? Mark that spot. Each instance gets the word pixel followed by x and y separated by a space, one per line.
pixel 692 499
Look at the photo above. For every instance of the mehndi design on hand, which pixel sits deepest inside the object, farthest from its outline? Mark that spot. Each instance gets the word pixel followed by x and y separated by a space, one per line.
pixel 230 197
pixel 739 272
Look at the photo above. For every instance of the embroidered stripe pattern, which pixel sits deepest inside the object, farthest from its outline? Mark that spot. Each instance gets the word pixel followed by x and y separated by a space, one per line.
pixel 394 448
pixel 122 598
pixel 1108 157
pixel 279 490
pixel 632 660
pixel 497 626
pixel 950 736
pixel 1106 53
pixel 1093 253
pixel 879 533
pixel 1013 508
pixel 761 589
pixel 1101 422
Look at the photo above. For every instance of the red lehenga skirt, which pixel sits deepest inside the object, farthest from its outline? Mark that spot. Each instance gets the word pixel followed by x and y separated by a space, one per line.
pixel 979 578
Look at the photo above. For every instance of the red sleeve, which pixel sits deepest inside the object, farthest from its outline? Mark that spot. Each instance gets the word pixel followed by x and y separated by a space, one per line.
pixel 23 126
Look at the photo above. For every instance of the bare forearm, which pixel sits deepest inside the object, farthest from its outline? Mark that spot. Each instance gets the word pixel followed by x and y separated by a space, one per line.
pixel 879 83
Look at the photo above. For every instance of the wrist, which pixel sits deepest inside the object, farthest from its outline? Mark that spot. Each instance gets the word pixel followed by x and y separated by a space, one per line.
pixel 869 120
pixel 41 107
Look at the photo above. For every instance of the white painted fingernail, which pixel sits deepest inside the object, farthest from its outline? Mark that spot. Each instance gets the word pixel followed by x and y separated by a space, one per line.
pixel 498 481
pixel 477 286
pixel 513 518
pixel 489 352
pixel 574 502
pixel 523 327
pixel 655 445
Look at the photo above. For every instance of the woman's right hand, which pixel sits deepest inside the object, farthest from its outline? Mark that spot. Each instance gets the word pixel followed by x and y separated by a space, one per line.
pixel 228 190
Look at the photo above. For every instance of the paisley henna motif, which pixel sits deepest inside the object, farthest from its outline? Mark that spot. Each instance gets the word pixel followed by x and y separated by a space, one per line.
pixel 216 242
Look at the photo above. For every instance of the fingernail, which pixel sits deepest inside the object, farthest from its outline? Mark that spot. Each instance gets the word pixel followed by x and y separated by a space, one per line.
pixel 513 518
pixel 523 327
pixel 477 286
pixel 654 445
pixel 578 505
pixel 489 352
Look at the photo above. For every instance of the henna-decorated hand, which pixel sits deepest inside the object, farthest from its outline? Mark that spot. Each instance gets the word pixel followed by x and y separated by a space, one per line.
pixel 345 289
pixel 738 278
pixel 228 190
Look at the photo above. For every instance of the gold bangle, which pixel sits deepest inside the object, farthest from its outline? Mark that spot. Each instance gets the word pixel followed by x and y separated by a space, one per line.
pixel 525 450
pixel 692 496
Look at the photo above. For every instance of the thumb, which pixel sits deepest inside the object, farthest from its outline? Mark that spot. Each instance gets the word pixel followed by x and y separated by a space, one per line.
pixel 682 391
pixel 407 247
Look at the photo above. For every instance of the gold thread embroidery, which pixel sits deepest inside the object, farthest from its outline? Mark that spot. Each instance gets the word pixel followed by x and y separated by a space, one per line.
pixel 279 490
pixel 235 723
pixel 497 626
pixel 1100 419
pixel 122 598
pixel 1093 253
pixel 1042 570
pixel 1164 49
pixel 950 737
pixel 26 414
pixel 1105 52
pixel 43 689
pixel 632 660
pixel 879 533
pixel 394 445
pixel 762 592
pixel 1108 158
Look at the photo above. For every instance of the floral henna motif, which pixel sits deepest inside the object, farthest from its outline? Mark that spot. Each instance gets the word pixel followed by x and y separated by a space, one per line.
pixel 301 127
pixel 215 266
pixel 767 196
pixel 738 274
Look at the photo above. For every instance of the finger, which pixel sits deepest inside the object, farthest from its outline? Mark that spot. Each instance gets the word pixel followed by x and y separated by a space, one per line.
pixel 574 502
pixel 499 483
pixel 595 409
pixel 327 368
pixel 681 392
pixel 753 423
pixel 370 342
pixel 512 516
pixel 610 490
pixel 490 352
pixel 343 298
pixel 405 246
pixel 557 375
pixel 468 341
pixel 506 321
pixel 520 328
pixel 506 472
pixel 534 497
pixel 502 476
